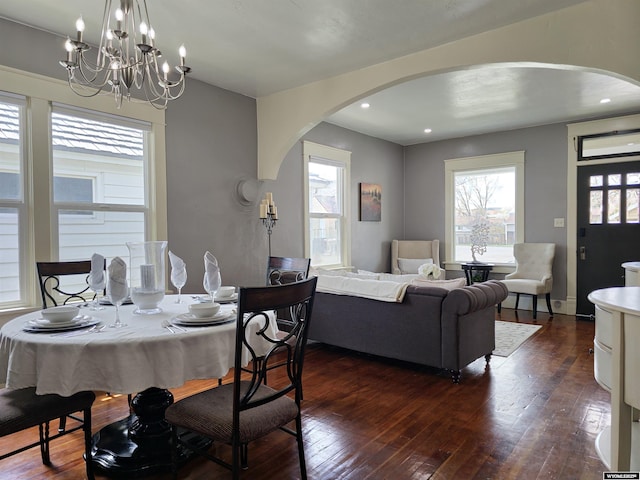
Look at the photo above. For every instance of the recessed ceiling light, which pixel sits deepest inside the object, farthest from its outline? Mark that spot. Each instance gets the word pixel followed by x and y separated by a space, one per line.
pixel 427 130
pixel 364 105
pixel 605 100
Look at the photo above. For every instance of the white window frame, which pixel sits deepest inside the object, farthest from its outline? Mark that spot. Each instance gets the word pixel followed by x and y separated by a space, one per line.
pixel 41 92
pixel 475 164
pixel 317 153
pixel 21 204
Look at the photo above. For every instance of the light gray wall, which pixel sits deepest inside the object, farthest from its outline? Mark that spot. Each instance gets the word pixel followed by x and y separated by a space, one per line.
pixel 372 161
pixel 211 143
pixel 545 186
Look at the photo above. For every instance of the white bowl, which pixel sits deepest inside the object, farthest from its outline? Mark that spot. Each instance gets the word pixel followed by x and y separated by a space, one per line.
pixel 61 313
pixel 204 310
pixel 224 292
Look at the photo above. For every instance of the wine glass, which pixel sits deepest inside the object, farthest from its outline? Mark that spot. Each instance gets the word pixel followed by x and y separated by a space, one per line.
pixel 116 295
pixel 96 284
pixel 178 280
pixel 211 284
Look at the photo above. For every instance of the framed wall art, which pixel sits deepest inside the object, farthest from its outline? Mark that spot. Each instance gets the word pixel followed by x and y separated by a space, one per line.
pixel 370 202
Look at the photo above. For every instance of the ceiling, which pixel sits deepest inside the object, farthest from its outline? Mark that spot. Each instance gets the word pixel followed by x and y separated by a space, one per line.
pixel 258 47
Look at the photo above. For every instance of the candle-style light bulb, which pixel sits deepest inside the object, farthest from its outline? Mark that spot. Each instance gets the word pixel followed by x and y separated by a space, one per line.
pixel 183 53
pixel 80 28
pixel 119 18
pixel 144 30
pixel 68 46
pixel 165 69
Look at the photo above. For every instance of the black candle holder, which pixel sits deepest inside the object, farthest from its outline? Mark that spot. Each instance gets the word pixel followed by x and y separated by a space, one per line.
pixel 269 222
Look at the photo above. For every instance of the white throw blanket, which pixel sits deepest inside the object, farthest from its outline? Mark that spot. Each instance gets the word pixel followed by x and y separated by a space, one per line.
pixel 372 289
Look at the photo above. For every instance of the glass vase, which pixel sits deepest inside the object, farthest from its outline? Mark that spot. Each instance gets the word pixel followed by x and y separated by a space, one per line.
pixel 147 275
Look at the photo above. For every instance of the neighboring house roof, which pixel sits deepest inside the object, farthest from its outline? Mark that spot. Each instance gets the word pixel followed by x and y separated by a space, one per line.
pixel 78 134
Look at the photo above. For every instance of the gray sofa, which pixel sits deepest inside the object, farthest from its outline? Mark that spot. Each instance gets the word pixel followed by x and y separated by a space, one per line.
pixel 432 326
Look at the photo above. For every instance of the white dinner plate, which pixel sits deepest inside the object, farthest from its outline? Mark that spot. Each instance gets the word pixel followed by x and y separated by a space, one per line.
pixel 42 325
pixel 227 299
pixel 189 319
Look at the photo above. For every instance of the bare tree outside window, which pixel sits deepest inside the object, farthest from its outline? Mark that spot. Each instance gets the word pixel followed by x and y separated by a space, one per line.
pixel 484 215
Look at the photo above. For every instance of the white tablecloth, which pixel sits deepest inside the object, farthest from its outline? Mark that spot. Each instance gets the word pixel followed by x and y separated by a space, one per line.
pixel 126 360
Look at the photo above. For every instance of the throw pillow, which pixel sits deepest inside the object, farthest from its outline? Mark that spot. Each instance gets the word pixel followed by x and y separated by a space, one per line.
pixel 447 284
pixel 411 265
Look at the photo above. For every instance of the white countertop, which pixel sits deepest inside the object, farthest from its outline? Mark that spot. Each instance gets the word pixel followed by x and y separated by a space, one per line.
pixel 633 266
pixel 623 299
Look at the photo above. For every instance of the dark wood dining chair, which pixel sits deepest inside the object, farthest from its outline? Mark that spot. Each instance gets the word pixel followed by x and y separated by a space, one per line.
pixel 281 270
pixel 21 409
pixel 51 290
pixel 245 410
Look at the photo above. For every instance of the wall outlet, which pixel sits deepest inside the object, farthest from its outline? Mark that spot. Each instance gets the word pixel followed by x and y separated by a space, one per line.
pixel 558 222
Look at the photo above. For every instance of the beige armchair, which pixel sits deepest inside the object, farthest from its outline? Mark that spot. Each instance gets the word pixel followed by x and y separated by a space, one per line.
pixel 408 255
pixel 533 276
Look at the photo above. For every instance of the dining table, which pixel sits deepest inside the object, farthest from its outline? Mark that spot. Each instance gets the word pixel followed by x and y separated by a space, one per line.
pixel 148 356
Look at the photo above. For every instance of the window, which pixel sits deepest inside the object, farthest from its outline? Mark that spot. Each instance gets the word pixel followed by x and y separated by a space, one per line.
pixel 13 241
pixel 327 239
pixel 99 182
pixel 485 207
pixel 80 181
pixel 621 192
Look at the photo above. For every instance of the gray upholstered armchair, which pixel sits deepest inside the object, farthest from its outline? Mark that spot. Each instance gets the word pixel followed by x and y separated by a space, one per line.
pixel 533 276
pixel 408 255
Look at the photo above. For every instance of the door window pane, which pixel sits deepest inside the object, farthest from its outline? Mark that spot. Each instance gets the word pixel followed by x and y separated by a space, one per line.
pixel 613 206
pixel 614 180
pixel 633 213
pixel 595 207
pixel 595 181
pixel 633 178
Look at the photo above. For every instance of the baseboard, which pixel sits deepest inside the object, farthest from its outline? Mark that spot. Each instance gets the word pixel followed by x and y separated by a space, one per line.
pixel 526 303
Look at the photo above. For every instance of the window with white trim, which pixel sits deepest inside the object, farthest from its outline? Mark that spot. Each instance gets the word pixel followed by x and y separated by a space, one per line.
pixel 484 207
pixel 13 210
pixel 99 178
pixel 73 181
pixel 327 233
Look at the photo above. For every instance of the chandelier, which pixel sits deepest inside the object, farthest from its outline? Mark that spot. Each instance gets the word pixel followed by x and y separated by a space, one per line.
pixel 126 58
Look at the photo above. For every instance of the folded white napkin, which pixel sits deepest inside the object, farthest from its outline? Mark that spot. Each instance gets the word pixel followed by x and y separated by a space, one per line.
pixel 211 281
pixel 178 269
pixel 96 276
pixel 117 287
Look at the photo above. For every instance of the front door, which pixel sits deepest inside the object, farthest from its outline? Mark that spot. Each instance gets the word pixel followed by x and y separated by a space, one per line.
pixel 608 227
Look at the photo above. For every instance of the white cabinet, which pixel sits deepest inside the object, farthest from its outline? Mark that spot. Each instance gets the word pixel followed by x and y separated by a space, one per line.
pixel 616 365
pixel 631 274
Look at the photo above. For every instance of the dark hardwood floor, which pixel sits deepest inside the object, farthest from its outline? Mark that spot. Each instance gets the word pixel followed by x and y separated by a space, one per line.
pixel 533 415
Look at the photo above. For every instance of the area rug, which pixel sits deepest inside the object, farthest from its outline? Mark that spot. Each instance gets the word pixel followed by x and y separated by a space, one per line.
pixel 510 335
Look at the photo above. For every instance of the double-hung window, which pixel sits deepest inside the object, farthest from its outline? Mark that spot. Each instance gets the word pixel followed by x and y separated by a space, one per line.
pixel 14 244
pixel 99 178
pixel 327 238
pixel 73 180
pixel 484 207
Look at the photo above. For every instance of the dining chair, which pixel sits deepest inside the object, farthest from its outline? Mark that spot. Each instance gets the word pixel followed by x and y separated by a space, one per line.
pixel 533 275
pixel 282 270
pixel 51 288
pixel 245 410
pixel 21 409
